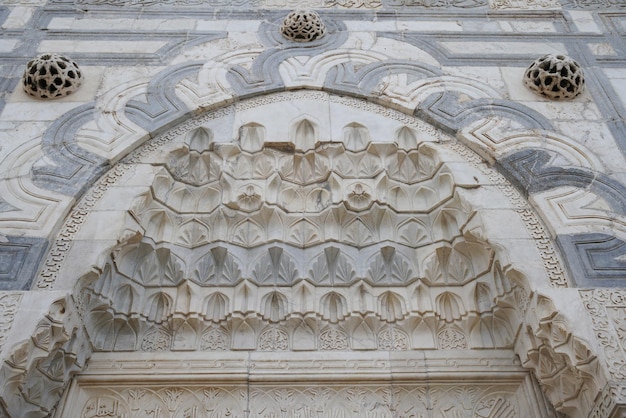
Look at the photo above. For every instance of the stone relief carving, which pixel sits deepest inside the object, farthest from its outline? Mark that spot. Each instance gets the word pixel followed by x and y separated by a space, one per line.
pixel 109 334
pixel 451 339
pixel 337 400
pixel 393 339
pixel 273 4
pixel 152 3
pixel 34 374
pixel 72 225
pixel 163 290
pixel 248 199
pixel 607 403
pixel 465 4
pixel 215 339
pixel 553 351
pixel 205 272
pixel 524 4
pixel 592 4
pixel 607 309
pixel 311 182
pixel 247 196
pixel 147 3
pixel 9 304
pixel 536 229
pixel 356 4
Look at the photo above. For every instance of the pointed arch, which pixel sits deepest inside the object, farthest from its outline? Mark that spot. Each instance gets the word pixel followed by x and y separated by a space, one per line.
pixel 425 315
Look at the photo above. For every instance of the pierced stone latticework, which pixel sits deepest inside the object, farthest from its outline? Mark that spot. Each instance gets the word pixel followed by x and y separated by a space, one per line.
pixel 556 77
pixel 51 76
pixel 303 26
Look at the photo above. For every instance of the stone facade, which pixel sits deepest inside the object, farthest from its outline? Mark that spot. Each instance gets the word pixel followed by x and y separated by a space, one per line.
pixel 355 210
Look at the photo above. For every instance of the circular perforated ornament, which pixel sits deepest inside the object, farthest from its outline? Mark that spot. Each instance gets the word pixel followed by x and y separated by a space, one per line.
pixel 303 26
pixel 51 76
pixel 556 77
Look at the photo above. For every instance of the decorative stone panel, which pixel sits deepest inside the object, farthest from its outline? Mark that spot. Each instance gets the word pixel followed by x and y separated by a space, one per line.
pixel 607 309
pixel 371 400
pixel 9 305
pixel 301 386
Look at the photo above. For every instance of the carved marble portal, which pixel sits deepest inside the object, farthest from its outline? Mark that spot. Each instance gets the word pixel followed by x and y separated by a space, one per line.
pixel 305 255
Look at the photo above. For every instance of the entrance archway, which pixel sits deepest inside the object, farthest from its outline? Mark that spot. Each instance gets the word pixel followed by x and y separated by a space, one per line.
pixel 304 254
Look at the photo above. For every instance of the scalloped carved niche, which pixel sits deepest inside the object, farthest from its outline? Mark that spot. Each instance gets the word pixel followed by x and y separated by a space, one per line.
pixel 292 256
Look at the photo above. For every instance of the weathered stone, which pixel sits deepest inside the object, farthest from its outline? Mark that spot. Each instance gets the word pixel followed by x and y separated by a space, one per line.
pixel 303 26
pixel 556 77
pixel 224 214
pixel 50 76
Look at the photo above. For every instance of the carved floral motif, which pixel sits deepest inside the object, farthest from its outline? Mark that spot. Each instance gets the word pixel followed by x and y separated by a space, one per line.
pixel 392 339
pixel 9 304
pixel 156 340
pixel 451 339
pixel 524 4
pixel 274 339
pixel 215 340
pixel 607 309
pixel 333 339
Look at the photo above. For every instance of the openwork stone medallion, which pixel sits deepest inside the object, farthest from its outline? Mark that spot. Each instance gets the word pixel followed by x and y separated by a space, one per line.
pixel 51 76
pixel 303 26
pixel 556 77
